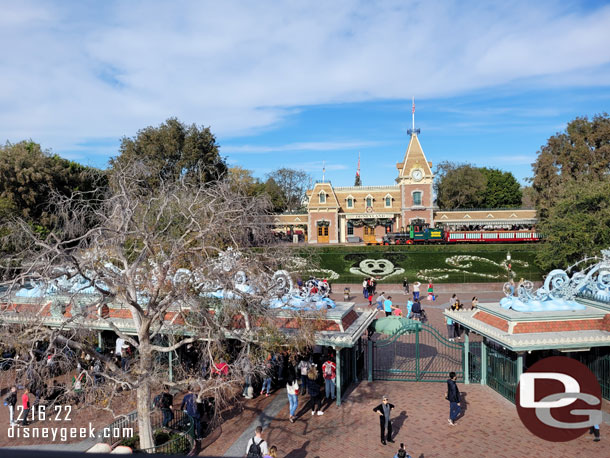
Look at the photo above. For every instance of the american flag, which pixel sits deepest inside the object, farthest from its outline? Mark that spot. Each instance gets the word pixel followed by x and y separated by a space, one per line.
pixel 413 109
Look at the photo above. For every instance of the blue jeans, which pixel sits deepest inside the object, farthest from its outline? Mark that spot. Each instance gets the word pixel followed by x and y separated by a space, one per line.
pixel 454 410
pixel 168 416
pixel 293 399
pixel 329 388
pixel 303 384
pixel 266 383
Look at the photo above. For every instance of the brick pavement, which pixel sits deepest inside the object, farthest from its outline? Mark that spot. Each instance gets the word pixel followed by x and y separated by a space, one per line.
pixel 490 426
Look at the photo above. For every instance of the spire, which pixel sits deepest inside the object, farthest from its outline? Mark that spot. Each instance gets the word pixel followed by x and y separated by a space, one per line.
pixel 323 171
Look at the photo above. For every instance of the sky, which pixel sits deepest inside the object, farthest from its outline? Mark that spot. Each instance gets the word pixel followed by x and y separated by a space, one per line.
pixel 303 84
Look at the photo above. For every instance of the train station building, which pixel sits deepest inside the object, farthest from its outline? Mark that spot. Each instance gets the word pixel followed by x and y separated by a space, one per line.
pixel 365 213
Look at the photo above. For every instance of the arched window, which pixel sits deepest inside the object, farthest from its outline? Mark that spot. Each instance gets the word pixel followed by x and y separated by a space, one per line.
pixel 322 197
pixel 350 202
pixel 387 201
pixel 369 201
pixel 417 198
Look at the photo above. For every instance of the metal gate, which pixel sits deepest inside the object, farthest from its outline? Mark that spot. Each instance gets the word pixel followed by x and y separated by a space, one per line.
pixel 418 352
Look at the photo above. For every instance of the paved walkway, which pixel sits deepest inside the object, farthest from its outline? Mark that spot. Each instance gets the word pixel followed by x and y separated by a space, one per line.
pixel 490 427
pixel 264 419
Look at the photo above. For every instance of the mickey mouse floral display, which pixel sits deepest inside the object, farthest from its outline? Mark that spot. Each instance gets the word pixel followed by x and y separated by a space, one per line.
pixel 378 268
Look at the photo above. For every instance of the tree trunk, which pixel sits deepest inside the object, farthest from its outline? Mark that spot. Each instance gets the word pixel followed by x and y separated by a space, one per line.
pixel 143 394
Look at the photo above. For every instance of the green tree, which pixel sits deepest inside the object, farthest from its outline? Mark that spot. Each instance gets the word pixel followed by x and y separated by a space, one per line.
pixel 29 176
pixel 275 194
pixel 580 153
pixel 459 185
pixel 172 150
pixel 502 189
pixel 577 224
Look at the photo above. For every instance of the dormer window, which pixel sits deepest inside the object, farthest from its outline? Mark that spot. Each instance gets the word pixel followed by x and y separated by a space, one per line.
pixel 322 196
pixel 350 201
pixel 369 201
pixel 387 200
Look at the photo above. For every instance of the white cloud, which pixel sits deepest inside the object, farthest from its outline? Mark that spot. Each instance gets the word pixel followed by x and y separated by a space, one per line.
pixel 76 72
pixel 300 146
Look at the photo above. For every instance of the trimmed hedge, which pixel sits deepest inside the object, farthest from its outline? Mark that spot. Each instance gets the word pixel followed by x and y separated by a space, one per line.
pixel 415 258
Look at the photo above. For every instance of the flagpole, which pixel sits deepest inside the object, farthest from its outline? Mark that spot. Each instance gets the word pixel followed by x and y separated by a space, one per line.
pixel 413 115
pixel 323 171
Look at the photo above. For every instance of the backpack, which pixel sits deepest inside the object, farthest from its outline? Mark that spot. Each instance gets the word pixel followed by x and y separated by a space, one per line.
pixel 255 449
pixel 157 401
pixel 328 370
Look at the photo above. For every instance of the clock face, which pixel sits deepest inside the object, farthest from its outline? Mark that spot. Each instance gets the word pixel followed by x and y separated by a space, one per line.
pixel 417 174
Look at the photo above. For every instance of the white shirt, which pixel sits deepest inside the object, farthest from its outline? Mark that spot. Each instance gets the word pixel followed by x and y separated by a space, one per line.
pixel 262 443
pixel 119 344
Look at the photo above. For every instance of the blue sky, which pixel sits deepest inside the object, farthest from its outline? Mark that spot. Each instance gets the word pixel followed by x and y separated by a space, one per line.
pixel 296 83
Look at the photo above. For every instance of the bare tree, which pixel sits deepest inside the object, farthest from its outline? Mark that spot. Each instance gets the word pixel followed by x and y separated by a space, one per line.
pixel 293 184
pixel 184 264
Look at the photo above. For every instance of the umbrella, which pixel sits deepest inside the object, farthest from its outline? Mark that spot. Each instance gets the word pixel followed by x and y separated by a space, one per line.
pixel 390 325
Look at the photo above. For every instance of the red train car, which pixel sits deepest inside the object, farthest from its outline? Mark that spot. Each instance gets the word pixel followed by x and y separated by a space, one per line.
pixel 491 236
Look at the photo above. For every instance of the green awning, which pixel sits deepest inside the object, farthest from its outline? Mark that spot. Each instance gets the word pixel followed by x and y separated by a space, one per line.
pixel 390 325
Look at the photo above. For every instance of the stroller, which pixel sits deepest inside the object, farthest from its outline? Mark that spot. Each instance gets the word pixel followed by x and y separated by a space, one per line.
pixel 423 317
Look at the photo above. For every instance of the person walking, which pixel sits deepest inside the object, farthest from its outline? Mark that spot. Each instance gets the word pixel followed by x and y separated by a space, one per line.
pixel 369 290
pixel 453 301
pixel 385 423
pixel 409 307
pixel 292 390
pixel 450 328
pixel 329 371
pixel 387 306
pixel 314 391
pixel 11 401
pixel 380 300
pixel 189 405
pixel 453 396
pixel 431 292
pixel 25 403
pixel 405 285
pixel 402 452
pixel 417 310
pixel 365 291
pixel 303 369
pixel 416 286
pixel 474 303
pixel 257 446
pixel 595 431
pixel 166 405
pixel 268 376
pixel 272 452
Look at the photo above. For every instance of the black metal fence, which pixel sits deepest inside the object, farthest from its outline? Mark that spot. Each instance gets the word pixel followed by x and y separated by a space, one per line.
pixel 418 354
pixel 474 362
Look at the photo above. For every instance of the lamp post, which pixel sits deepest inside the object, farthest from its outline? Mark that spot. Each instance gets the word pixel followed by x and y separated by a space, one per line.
pixel 508 266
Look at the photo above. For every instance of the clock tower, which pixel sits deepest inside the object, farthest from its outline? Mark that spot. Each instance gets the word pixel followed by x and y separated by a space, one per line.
pixel 415 179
